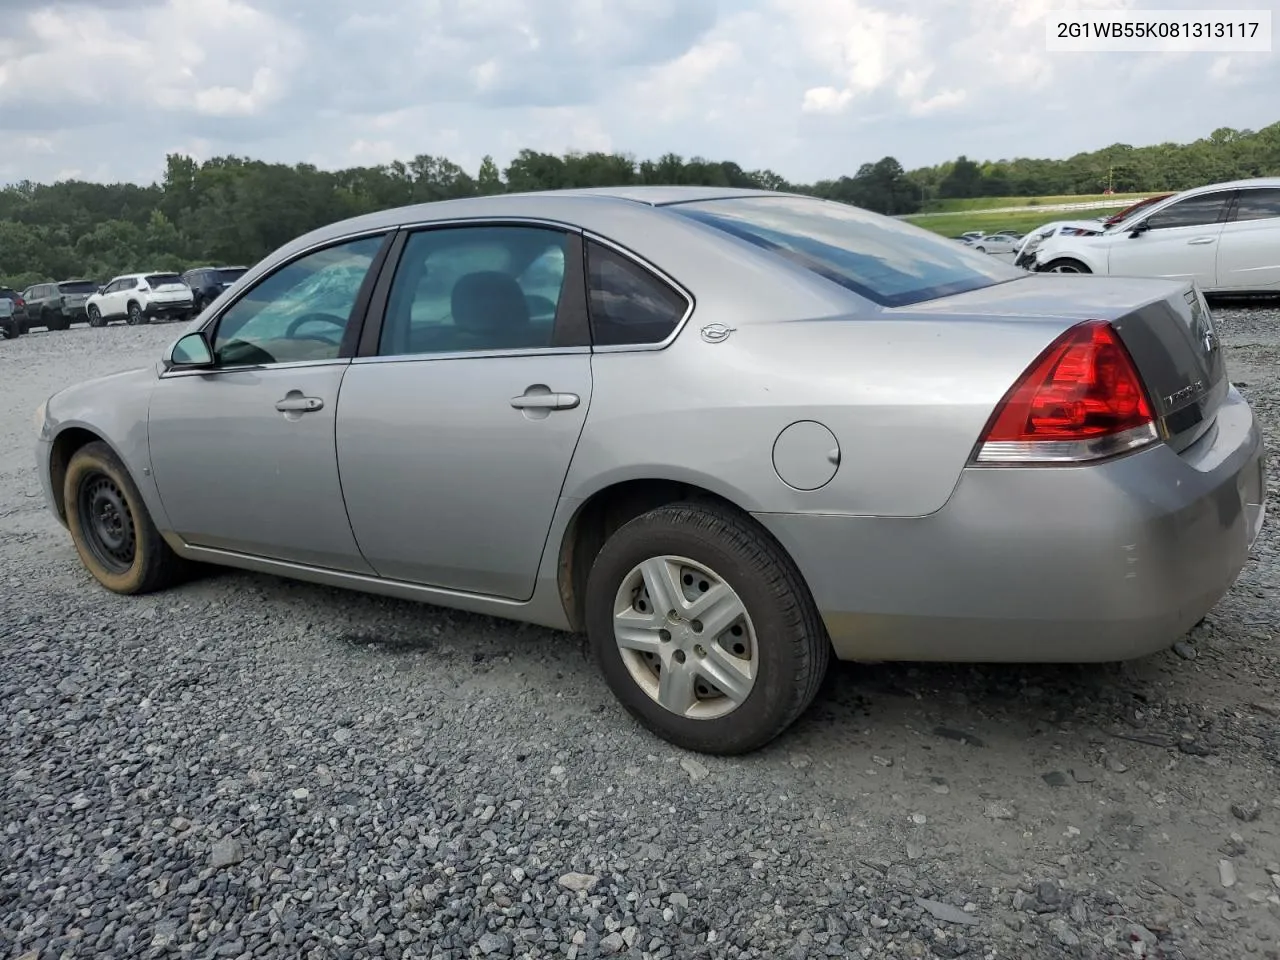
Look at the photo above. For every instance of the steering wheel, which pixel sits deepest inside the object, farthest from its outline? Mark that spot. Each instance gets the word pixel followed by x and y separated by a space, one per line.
pixel 317 318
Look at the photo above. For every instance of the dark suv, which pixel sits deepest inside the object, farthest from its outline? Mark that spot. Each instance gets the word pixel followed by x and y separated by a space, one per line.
pixel 207 283
pixel 13 313
pixel 56 306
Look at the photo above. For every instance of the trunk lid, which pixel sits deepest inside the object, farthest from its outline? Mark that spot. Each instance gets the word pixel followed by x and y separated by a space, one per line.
pixel 1165 325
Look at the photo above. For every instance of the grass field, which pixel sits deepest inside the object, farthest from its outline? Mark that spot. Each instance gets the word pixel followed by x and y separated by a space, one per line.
pixel 955 225
pixel 995 203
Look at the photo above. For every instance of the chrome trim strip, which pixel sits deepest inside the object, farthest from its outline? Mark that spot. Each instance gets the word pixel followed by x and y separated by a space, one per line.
pixel 214 371
pixel 473 354
pixel 1035 452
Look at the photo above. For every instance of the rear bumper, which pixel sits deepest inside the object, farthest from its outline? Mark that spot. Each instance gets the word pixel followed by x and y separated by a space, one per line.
pixel 167 309
pixel 1061 564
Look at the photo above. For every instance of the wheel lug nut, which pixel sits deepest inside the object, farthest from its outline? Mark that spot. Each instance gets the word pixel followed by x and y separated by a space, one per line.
pixel 699 650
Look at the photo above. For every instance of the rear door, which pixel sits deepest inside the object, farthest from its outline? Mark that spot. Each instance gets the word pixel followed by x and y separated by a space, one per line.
pixel 1180 241
pixel 457 423
pixel 1249 247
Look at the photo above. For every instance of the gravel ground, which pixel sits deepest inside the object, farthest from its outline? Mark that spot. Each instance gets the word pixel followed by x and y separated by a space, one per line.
pixel 252 767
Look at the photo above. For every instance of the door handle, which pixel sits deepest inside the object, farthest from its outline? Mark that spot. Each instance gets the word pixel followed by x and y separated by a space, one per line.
pixel 1199 241
pixel 546 401
pixel 299 404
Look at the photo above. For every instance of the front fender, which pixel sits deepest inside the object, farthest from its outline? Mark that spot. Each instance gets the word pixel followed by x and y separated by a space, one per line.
pixel 114 409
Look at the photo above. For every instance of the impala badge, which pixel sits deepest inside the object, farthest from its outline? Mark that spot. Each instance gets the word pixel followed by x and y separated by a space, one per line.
pixel 716 332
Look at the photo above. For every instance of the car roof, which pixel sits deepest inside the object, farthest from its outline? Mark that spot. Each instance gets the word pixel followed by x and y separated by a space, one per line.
pixel 1230 185
pixel 583 206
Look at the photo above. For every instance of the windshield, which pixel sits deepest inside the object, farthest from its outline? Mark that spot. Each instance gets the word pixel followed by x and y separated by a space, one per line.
pixel 77 286
pixel 888 261
pixel 162 279
pixel 230 274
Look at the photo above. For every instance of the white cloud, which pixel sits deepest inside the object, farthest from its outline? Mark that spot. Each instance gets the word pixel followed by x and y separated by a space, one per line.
pixel 809 88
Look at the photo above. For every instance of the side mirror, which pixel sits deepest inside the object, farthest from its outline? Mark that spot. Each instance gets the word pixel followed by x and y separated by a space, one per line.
pixel 102 289
pixel 191 352
pixel 1138 229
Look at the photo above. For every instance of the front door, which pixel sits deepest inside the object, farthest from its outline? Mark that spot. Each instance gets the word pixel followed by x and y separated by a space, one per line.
pixel 1180 242
pixel 243 453
pixel 454 441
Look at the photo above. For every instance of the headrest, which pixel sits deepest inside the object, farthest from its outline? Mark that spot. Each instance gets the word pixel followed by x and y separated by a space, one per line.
pixel 489 300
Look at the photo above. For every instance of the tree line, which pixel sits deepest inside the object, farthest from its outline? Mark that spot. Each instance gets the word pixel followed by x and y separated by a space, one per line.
pixel 234 210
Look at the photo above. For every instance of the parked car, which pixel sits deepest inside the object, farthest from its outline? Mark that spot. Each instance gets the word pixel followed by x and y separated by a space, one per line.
pixel 728 434
pixel 996 243
pixel 13 314
pixel 1025 254
pixel 207 283
pixel 1225 237
pixel 55 306
pixel 140 298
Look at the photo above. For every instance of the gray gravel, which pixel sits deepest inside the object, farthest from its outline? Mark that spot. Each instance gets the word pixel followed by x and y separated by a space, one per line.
pixel 249 767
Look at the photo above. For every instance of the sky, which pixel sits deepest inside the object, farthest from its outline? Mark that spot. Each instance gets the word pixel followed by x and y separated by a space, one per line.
pixel 811 89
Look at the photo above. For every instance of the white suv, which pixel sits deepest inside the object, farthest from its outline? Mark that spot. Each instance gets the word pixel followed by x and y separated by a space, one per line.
pixel 139 298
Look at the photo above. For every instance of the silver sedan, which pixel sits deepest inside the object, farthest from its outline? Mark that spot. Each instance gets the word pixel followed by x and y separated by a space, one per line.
pixel 727 434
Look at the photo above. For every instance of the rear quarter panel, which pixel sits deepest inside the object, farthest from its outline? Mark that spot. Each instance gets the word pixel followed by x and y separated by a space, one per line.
pixel 906 398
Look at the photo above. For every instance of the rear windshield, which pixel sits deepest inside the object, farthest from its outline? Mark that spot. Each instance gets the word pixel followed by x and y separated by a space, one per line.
pixel 888 261
pixel 230 274
pixel 159 279
pixel 77 286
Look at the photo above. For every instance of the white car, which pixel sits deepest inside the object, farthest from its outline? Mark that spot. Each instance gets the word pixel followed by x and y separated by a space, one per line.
pixel 1225 237
pixel 1032 242
pixel 140 298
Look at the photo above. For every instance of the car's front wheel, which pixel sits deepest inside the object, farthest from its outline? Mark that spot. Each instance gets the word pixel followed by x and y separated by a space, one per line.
pixel 1065 265
pixel 704 628
pixel 110 527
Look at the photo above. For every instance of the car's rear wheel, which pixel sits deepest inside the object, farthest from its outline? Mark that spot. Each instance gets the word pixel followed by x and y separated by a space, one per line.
pixel 135 315
pixel 110 527
pixel 95 318
pixel 1065 265
pixel 704 628
pixel 10 329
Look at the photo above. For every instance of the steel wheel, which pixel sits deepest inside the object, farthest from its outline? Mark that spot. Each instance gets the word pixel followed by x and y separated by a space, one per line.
pixel 685 637
pixel 107 522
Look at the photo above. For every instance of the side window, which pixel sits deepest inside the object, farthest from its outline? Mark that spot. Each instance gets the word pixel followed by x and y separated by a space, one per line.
pixel 627 303
pixel 461 289
pixel 1258 204
pixel 1192 212
pixel 299 312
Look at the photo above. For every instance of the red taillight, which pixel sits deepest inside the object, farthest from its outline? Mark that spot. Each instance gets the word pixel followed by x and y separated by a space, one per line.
pixel 19 302
pixel 1080 400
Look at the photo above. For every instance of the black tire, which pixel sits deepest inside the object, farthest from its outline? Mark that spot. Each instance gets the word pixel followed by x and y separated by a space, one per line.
pixel 10 330
pixel 135 317
pixel 1065 265
pixel 794 651
pixel 95 318
pixel 61 322
pixel 136 559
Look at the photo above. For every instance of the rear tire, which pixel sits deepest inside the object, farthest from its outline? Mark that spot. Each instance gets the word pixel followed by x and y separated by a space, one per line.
pixel 767 641
pixel 1065 265
pixel 135 317
pixel 114 535
pixel 95 318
